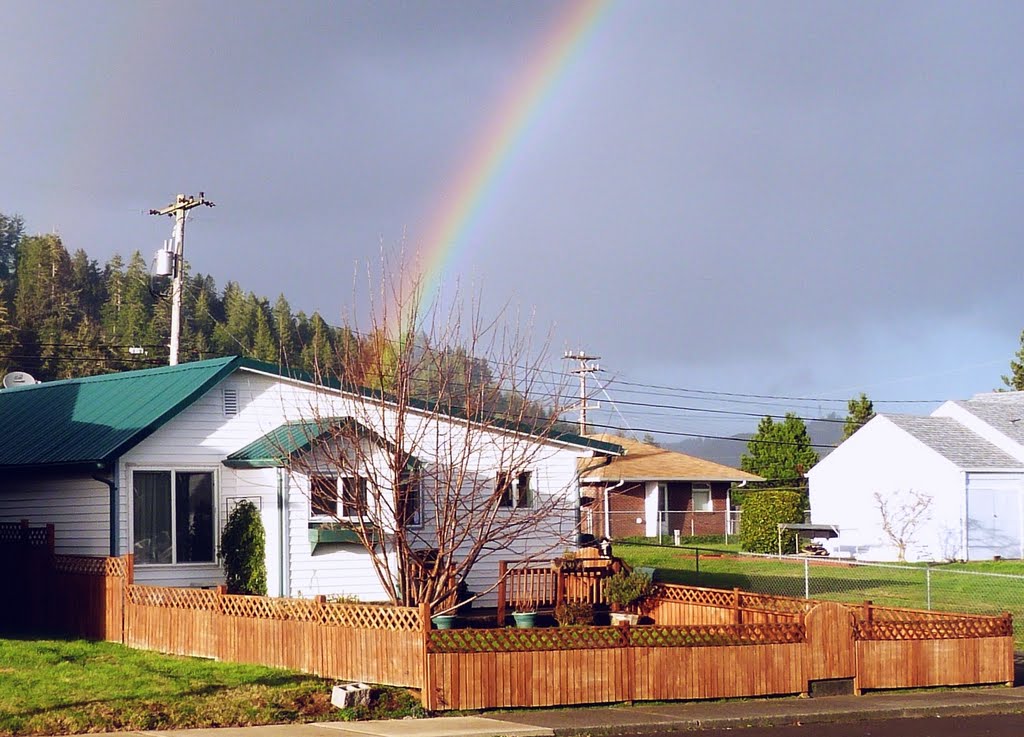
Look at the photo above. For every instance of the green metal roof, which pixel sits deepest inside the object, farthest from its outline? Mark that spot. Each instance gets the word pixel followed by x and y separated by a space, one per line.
pixel 90 422
pixel 283 442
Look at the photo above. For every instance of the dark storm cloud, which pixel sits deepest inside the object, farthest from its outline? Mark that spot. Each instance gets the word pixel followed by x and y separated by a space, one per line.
pixel 708 182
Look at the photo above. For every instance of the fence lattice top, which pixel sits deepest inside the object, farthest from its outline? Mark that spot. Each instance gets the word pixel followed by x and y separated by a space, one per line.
pixel 359 616
pixel 948 629
pixel 14 533
pixel 91 565
pixel 591 638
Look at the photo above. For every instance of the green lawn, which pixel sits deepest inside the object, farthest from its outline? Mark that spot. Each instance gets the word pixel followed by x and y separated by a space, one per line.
pixel 952 587
pixel 63 687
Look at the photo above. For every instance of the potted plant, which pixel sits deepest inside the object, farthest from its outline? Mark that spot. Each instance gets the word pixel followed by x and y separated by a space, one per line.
pixel 574 613
pixel 525 614
pixel 443 621
pixel 625 591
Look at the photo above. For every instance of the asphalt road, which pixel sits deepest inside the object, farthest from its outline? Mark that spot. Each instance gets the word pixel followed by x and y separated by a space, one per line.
pixel 1005 725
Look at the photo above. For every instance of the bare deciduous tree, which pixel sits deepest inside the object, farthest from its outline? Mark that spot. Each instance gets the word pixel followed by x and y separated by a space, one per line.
pixel 438 455
pixel 902 515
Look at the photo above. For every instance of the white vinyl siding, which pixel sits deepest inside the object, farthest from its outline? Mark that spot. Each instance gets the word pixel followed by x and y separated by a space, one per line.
pixel 78 507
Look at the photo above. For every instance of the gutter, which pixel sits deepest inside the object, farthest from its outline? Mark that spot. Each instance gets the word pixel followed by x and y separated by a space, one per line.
pixel 114 512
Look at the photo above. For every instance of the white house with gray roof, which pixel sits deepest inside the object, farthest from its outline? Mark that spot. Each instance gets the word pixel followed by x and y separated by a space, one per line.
pixel 961 470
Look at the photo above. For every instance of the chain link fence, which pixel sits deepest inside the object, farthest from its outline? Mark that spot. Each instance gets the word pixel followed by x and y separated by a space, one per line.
pixel 946 587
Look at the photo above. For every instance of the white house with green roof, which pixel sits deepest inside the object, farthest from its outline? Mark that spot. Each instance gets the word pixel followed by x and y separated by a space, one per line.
pixel 151 462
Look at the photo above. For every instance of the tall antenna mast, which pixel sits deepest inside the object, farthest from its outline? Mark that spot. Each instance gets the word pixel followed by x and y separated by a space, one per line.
pixel 177 209
pixel 584 369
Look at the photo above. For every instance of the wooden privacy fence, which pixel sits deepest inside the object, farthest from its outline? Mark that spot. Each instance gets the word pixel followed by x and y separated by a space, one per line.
pixel 711 643
pixel 359 642
pixel 69 595
pixel 703 643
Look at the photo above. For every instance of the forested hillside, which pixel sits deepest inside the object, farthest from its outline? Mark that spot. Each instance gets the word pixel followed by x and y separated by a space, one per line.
pixel 63 315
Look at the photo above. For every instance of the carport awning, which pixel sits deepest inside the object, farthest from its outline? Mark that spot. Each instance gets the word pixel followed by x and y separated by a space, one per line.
pixel 809 530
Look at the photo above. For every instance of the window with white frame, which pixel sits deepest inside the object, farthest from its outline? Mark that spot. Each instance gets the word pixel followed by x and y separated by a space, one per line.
pixel 514 489
pixel 700 493
pixel 172 517
pixel 334 497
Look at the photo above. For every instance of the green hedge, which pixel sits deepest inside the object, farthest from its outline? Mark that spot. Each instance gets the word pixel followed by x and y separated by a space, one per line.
pixel 243 546
pixel 762 513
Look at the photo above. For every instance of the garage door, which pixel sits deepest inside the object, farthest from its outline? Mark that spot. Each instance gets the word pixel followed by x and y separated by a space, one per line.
pixel 993 524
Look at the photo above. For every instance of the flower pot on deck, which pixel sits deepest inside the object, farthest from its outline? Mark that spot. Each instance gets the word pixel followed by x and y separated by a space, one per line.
pixel 524 620
pixel 444 621
pixel 620 618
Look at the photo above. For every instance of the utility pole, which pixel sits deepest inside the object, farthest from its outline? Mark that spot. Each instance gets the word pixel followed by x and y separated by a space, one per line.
pixel 177 209
pixel 584 369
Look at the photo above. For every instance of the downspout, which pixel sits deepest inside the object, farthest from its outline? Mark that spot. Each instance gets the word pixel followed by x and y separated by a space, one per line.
pixel 283 557
pixel 608 509
pixel 114 512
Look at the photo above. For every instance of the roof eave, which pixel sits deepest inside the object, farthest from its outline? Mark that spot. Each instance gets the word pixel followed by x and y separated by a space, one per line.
pixel 565 438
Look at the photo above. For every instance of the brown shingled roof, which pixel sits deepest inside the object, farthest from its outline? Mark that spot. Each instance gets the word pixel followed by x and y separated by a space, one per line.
pixel 643 462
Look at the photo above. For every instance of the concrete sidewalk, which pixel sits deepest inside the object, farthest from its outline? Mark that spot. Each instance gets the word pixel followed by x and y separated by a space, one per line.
pixel 653 718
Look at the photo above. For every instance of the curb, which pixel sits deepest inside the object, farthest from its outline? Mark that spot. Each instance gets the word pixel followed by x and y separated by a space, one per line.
pixel 796 718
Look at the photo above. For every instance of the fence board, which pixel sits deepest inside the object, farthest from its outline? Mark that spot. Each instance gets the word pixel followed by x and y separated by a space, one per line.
pixel 918 663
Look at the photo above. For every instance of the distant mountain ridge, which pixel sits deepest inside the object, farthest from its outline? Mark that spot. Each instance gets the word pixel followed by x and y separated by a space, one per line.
pixel 825 434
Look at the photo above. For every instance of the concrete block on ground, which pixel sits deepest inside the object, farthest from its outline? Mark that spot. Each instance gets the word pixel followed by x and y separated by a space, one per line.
pixel 345 695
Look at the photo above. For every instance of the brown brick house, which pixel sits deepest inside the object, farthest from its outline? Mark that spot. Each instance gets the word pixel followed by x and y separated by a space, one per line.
pixel 650 491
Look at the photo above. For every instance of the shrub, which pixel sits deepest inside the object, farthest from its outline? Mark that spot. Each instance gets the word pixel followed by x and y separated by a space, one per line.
pixel 625 589
pixel 570 613
pixel 762 513
pixel 243 547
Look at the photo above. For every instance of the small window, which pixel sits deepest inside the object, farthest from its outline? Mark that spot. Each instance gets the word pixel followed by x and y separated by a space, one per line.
pixel 701 495
pixel 330 496
pixel 410 500
pixel 353 497
pixel 230 402
pixel 323 496
pixel 514 489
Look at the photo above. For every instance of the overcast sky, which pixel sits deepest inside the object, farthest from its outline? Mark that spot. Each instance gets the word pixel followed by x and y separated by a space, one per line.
pixel 796 198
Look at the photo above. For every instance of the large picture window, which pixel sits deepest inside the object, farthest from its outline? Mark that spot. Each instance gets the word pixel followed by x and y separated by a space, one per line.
pixel 173 516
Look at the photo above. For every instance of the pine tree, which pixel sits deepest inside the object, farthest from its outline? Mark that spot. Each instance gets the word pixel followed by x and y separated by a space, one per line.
pixel 780 451
pixel 264 346
pixel 284 330
pixel 859 411
pixel 1015 380
pixel 44 305
pixel 12 228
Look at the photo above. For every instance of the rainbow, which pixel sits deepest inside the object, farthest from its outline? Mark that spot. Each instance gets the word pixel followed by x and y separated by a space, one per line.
pixel 473 181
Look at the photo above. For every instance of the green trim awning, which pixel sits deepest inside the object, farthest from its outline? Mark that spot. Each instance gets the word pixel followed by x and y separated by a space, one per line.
pixel 284 442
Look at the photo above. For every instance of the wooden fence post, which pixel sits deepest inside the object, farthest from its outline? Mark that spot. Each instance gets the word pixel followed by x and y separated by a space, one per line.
pixel 427 696
pixel 560 585
pixel 737 613
pixel 867 611
pixel 502 575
